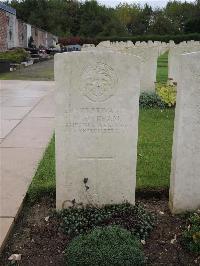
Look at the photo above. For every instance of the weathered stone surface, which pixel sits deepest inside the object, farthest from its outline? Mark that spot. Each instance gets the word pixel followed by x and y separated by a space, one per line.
pixel 149 56
pixel 185 173
pixel 96 127
pixel 173 58
pixel 147 52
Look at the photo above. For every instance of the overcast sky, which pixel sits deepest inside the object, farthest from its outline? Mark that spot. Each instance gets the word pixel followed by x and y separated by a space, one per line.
pixel 153 3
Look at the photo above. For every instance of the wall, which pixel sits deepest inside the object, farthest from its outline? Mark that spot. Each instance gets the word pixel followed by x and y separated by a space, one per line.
pixel 3 30
pixel 16 33
pixel 11 31
pixel 22 34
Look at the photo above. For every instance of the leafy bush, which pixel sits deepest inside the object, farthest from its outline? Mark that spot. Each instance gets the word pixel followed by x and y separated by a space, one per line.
pixel 167 93
pixel 106 246
pixel 191 236
pixel 134 218
pixel 151 100
pixel 17 55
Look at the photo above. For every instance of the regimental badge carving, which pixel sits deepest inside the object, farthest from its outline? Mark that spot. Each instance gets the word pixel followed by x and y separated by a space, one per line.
pixel 98 82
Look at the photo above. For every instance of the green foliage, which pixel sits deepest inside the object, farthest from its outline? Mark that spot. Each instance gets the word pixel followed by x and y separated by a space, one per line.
pixel 91 19
pixel 17 55
pixel 191 236
pixel 134 218
pixel 106 246
pixel 167 93
pixel 151 100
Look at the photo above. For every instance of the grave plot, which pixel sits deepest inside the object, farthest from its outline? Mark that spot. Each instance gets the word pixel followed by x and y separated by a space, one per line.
pixel 89 138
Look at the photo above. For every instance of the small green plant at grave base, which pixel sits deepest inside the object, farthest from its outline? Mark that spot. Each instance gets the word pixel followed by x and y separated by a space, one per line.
pixel 75 221
pixel 151 100
pixel 106 246
pixel 191 236
pixel 167 93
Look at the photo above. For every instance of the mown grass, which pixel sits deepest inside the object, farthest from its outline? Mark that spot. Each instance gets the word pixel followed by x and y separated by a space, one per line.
pixel 40 71
pixel 154 149
pixel 154 155
pixel 162 69
pixel 44 180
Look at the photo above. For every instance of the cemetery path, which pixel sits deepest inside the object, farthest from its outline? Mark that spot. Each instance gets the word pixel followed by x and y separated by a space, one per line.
pixel 26 126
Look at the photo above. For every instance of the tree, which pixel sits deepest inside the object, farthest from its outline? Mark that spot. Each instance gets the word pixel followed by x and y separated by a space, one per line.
pixel 162 25
pixel 91 19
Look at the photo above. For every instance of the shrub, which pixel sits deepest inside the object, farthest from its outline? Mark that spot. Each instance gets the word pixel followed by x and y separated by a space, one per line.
pixel 191 236
pixel 167 93
pixel 134 218
pixel 151 100
pixel 106 246
pixel 17 55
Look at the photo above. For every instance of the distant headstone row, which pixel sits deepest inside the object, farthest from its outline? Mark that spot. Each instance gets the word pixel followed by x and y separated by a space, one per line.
pixel 97 127
pixel 149 53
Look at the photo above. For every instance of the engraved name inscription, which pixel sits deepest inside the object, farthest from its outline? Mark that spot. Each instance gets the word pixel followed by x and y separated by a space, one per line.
pixel 97 120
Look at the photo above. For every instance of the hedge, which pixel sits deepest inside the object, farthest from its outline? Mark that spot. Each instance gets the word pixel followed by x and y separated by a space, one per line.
pixel 162 38
pixel 17 55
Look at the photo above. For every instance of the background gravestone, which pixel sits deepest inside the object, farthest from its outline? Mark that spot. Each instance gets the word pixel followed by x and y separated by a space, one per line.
pixel 96 127
pixel 147 52
pixel 185 173
pixel 173 58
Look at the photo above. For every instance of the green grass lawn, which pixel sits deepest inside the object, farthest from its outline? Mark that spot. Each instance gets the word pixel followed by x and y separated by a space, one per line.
pixel 39 71
pixel 162 69
pixel 154 149
pixel 154 154
pixel 44 179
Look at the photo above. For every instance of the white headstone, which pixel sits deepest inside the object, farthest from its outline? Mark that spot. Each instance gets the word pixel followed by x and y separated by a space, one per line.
pixel 96 127
pixel 173 60
pixel 87 46
pixel 149 56
pixel 185 173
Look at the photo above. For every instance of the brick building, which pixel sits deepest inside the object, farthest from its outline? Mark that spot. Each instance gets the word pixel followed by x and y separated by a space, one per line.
pixel 8 38
pixel 16 33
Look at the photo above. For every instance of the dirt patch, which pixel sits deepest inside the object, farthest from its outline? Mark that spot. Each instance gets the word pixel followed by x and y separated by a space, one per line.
pixel 163 247
pixel 37 236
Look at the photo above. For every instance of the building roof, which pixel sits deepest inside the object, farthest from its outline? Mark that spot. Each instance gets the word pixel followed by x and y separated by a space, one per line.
pixel 7 8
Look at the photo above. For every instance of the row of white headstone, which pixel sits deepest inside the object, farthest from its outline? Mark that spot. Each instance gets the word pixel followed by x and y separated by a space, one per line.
pixel 97 99
pixel 149 53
